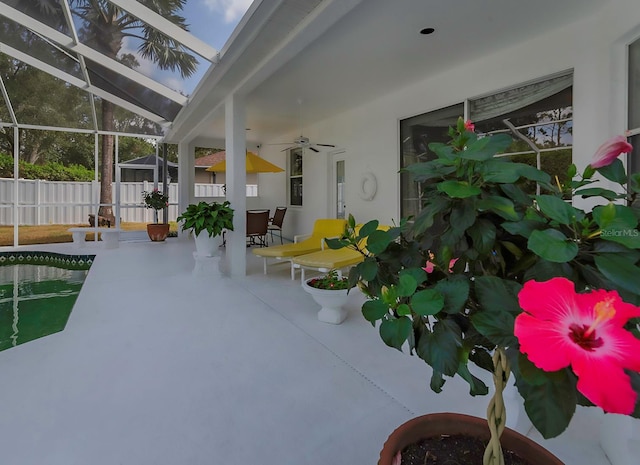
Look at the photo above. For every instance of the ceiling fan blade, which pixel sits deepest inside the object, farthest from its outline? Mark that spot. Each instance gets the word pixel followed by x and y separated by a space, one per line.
pixel 325 145
pixel 288 148
pixel 314 149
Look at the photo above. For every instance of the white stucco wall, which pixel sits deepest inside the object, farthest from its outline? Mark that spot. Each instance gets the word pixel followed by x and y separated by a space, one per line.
pixel 593 48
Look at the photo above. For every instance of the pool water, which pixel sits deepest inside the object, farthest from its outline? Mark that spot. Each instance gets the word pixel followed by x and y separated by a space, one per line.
pixel 37 293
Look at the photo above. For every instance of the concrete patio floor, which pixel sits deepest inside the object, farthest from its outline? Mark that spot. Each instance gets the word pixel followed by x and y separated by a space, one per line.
pixel 157 366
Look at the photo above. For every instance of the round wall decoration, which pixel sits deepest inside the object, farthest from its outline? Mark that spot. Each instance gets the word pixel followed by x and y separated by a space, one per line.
pixel 368 186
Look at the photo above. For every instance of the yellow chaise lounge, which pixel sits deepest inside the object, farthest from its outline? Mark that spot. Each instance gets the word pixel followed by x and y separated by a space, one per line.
pixel 331 259
pixel 323 228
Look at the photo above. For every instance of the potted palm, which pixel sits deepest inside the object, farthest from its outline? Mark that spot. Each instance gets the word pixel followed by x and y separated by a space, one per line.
pixel 156 200
pixel 331 293
pixel 491 276
pixel 207 221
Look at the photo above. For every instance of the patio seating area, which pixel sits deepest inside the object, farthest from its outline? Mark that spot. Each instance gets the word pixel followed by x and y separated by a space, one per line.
pixel 173 368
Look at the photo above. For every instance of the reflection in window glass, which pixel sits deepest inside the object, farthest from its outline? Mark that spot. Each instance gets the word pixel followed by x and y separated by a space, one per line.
pixel 416 134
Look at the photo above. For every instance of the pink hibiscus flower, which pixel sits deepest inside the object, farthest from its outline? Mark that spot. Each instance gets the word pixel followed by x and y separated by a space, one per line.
pixel 469 126
pixel 609 151
pixel 430 266
pixel 560 328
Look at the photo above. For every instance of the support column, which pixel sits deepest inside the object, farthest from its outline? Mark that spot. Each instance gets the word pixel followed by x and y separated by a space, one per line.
pixel 186 177
pixel 236 148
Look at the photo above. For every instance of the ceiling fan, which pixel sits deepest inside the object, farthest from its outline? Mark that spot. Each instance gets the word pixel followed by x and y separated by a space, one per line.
pixel 302 141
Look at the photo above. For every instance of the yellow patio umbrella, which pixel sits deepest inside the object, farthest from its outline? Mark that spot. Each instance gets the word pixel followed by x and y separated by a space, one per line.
pixel 255 164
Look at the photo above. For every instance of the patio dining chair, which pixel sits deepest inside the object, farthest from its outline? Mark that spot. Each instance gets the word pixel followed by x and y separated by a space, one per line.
pixel 275 223
pixel 257 227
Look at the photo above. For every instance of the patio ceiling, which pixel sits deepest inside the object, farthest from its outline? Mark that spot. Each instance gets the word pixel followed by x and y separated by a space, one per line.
pixel 330 55
pixel 347 52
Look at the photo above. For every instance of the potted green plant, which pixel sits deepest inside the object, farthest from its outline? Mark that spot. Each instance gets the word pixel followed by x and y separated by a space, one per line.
pixel 492 275
pixel 156 200
pixel 207 221
pixel 331 293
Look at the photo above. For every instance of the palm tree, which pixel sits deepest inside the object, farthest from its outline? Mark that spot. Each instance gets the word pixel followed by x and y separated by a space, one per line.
pixel 104 27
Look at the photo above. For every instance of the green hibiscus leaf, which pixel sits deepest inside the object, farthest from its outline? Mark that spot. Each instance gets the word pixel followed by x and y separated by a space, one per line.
pixel 437 381
pixel 551 405
pixel 368 228
pixel 497 294
pixel 531 373
pixel 403 310
pixel 483 234
pixel 378 241
pixel 597 192
pixel 407 285
pixel 499 205
pixel 486 147
pixel 523 227
pixel 368 268
pixel 427 302
pixel 455 290
pixel 496 326
pixel 458 189
pixel 614 172
pixel 499 170
pixel 476 386
pixel 440 348
pixel 424 220
pixel 395 331
pixel 619 270
pixel 559 210
pixel 374 310
pixel 604 215
pixel 418 274
pixel 552 245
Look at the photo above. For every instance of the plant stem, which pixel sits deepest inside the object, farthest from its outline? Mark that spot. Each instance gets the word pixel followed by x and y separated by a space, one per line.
pixel 496 413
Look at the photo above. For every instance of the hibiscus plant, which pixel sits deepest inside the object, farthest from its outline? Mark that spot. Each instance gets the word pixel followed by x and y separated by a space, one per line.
pixel 491 273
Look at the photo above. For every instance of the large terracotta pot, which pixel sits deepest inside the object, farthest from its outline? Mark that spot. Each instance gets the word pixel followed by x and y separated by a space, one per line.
pixel 436 424
pixel 157 232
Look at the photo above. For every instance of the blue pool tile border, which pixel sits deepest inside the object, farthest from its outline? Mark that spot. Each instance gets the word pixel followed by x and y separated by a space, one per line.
pixel 69 262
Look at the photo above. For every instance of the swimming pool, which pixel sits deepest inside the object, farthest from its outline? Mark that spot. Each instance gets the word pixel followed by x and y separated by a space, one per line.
pixel 37 293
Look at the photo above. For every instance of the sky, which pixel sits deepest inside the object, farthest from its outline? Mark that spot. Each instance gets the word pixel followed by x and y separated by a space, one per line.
pixel 211 21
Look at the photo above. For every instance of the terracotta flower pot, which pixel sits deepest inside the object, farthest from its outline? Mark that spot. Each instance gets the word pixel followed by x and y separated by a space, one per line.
pixel 157 232
pixel 436 424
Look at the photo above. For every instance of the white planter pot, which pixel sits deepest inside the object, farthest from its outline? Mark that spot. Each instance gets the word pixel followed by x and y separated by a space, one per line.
pixel 207 246
pixel 331 301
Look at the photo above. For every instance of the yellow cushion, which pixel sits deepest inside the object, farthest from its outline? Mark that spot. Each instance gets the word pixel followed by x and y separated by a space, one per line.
pixel 322 229
pixel 335 259
pixel 330 259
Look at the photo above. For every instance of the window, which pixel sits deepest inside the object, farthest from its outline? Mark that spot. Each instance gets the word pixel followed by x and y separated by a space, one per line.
pixel 416 134
pixel 539 117
pixel 634 106
pixel 295 177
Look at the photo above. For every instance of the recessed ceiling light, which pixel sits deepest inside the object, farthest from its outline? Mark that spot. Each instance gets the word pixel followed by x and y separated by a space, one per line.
pixel 427 31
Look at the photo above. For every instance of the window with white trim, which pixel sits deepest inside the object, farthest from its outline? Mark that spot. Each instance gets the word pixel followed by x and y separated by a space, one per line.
pixel 633 123
pixel 295 177
pixel 538 115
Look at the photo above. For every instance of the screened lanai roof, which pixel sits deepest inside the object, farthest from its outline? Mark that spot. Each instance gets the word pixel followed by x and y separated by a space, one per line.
pixel 115 57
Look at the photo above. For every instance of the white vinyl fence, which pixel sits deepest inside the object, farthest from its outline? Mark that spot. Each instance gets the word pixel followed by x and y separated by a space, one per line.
pixel 60 202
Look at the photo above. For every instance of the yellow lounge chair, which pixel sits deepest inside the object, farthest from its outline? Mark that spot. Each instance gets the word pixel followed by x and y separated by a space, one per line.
pixel 322 229
pixel 331 259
